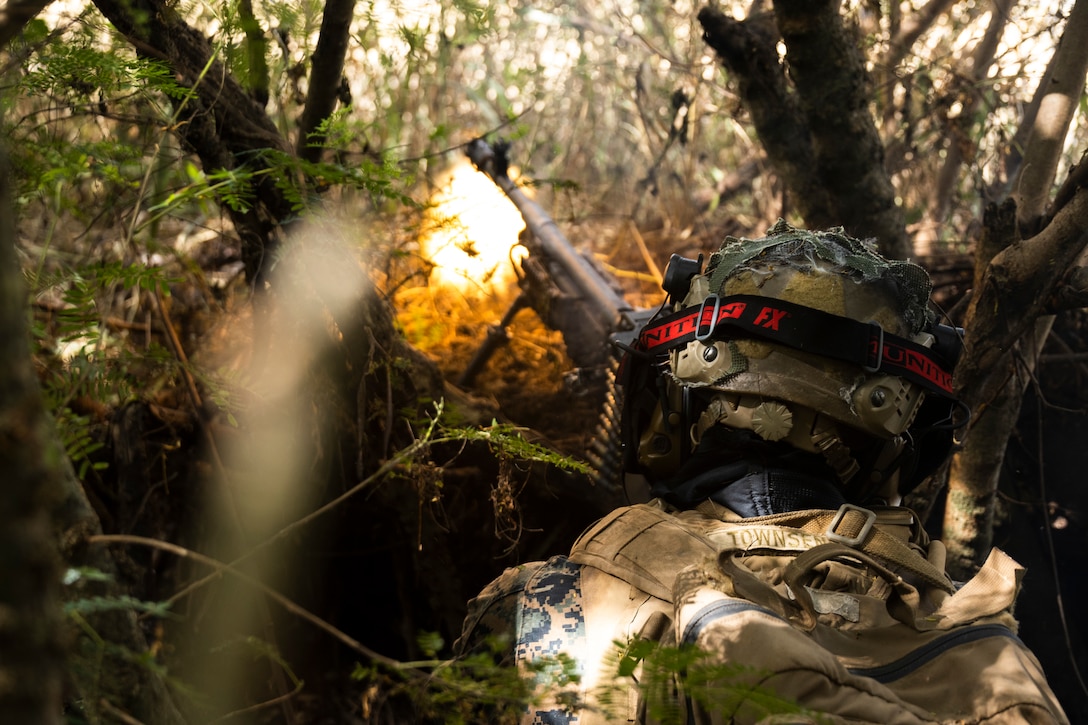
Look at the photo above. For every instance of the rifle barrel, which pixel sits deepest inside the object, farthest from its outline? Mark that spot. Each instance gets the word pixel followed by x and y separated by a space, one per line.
pixel 589 283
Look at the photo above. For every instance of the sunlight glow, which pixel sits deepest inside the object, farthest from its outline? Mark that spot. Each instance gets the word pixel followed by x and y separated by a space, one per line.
pixel 471 230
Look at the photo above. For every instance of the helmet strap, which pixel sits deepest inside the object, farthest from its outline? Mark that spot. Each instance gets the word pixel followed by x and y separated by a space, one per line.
pixel 825 437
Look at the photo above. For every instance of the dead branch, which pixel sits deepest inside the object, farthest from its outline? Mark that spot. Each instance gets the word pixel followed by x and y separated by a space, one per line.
pixel 1071 294
pixel 1013 292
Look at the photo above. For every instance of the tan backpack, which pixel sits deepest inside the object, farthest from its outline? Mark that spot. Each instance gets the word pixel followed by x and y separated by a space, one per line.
pixel 847 614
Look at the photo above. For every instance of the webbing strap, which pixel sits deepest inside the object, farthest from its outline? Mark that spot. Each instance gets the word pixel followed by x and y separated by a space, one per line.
pixel 878 543
pixel 865 344
pixel 646 546
pixel 798 570
pixel 850 523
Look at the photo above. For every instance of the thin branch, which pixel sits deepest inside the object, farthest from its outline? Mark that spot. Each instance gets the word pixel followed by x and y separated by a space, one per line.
pixel 221 568
pixel 277 700
pixel 1059 104
pixel 116 712
pixel 959 132
pixel 1009 297
pixel 900 43
pixel 1064 357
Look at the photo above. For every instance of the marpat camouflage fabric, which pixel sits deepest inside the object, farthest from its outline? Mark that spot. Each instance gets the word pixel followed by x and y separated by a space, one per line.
pixel 538 607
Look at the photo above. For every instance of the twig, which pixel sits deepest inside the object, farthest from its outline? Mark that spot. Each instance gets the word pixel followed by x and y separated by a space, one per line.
pixel 118 713
pixel 650 265
pixel 1064 357
pixel 178 350
pixel 220 567
pixel 386 468
pixel 277 700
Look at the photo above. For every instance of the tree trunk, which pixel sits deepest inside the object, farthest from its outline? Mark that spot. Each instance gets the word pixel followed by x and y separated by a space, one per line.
pixel 44 504
pixel 747 50
pixel 1056 110
pixel 325 76
pixel 31 663
pixel 220 122
pixel 1013 292
pixel 829 73
pixel 802 124
pixel 1004 322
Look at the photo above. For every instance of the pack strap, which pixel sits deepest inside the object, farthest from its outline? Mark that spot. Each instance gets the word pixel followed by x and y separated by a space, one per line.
pixel 860 529
pixel 646 546
pixel 865 344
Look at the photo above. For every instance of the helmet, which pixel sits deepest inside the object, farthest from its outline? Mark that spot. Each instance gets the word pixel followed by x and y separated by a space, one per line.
pixel 810 339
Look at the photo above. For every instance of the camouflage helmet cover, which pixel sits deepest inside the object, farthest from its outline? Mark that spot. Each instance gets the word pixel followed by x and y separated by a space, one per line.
pixel 828 271
pixel 783 393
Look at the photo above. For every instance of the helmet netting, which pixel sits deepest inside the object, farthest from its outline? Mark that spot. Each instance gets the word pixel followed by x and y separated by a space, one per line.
pixel 832 251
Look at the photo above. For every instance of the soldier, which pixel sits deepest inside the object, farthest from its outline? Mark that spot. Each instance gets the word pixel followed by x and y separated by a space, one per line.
pixel 779 406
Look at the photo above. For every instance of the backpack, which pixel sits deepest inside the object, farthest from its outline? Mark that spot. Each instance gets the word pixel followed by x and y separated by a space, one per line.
pixel 810 616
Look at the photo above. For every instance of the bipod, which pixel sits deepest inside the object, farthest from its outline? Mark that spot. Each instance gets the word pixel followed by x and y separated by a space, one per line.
pixel 496 337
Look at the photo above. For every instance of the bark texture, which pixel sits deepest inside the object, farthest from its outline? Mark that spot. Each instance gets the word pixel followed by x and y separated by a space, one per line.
pixel 1006 322
pixel 325 73
pixel 803 120
pixel 31 663
pixel 912 28
pixel 828 70
pixel 1016 284
pixel 747 50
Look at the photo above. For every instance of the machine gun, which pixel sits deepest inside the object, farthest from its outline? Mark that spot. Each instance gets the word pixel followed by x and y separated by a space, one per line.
pixel 570 293
pixel 568 290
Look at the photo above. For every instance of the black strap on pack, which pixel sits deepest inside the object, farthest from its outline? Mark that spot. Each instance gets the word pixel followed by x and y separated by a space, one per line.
pixel 801 328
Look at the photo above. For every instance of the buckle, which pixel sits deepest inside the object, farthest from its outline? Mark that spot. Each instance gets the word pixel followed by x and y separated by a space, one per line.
pixel 879 346
pixel 699 334
pixel 840 516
